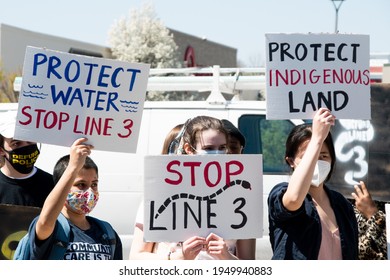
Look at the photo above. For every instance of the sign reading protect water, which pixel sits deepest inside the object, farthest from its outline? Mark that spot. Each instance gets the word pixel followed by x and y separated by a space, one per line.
pixel 65 96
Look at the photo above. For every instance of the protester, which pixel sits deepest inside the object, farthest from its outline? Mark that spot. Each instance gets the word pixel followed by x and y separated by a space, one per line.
pixel 199 135
pixel 74 196
pixel 308 220
pixel 371 219
pixel 169 138
pixel 237 140
pixel 21 182
pixel 236 145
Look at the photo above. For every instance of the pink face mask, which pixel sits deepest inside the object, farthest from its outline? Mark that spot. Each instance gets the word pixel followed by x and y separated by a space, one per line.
pixel 82 202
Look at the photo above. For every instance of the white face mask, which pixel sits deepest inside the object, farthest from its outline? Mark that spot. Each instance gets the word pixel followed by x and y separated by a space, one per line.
pixel 321 171
pixel 210 152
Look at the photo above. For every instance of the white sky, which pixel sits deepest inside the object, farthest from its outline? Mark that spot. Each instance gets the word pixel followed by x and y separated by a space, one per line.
pixel 240 24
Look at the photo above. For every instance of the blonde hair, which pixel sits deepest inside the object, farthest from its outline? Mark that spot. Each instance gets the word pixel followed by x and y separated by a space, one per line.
pixel 169 138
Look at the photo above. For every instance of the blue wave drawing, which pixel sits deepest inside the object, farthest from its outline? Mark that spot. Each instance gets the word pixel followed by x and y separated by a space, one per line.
pixel 129 106
pixel 37 93
pixel 129 102
pixel 32 94
pixel 35 86
pixel 27 95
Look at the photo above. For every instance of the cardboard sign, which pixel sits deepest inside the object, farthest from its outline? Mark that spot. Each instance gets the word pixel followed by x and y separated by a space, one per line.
pixel 307 72
pixel 187 196
pixel 66 96
pixel 15 221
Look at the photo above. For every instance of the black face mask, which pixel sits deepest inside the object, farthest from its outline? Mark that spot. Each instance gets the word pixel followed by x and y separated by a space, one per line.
pixel 23 159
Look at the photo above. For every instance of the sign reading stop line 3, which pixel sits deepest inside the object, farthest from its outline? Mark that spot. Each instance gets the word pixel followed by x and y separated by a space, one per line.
pixel 186 196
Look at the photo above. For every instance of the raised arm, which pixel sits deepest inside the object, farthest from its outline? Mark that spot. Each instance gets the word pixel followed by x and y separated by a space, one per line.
pixel 56 199
pixel 300 180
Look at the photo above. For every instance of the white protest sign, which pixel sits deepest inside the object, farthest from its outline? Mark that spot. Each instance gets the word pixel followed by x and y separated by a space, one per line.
pixel 305 72
pixel 65 96
pixel 187 196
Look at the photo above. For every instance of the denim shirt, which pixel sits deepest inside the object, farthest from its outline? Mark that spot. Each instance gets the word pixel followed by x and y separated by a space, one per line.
pixel 296 235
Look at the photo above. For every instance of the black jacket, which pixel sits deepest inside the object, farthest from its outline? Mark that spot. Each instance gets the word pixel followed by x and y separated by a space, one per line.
pixel 297 234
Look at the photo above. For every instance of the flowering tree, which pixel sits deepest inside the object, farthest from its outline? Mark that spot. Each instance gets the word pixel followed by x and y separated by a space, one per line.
pixel 7 93
pixel 143 38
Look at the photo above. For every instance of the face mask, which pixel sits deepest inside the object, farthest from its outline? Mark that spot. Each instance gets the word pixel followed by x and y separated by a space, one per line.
pixel 210 152
pixel 321 171
pixel 23 159
pixel 82 202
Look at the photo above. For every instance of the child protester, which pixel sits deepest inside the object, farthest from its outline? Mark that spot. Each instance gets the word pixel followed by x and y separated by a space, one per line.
pixel 74 196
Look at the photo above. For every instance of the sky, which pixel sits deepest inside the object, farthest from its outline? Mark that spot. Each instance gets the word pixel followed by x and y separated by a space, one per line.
pixel 240 24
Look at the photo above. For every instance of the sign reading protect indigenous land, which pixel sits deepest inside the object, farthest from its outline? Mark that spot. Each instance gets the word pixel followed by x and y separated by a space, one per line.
pixel 65 96
pixel 307 72
pixel 187 196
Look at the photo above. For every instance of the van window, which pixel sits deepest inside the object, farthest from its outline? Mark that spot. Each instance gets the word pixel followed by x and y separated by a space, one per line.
pixel 266 137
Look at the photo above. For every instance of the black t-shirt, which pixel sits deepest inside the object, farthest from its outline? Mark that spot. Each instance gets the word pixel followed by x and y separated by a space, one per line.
pixel 31 191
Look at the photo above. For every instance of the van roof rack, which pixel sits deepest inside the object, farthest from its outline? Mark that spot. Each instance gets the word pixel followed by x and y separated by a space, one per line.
pixel 214 79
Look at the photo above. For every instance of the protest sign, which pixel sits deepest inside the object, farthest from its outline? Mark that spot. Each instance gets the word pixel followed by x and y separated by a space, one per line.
pixel 186 196
pixel 66 96
pixel 307 72
pixel 17 220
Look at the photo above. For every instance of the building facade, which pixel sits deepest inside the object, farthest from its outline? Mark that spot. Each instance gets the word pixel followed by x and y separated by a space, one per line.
pixel 193 51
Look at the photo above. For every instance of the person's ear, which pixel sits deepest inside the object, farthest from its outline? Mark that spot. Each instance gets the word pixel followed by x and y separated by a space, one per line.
pixel 188 149
pixel 290 162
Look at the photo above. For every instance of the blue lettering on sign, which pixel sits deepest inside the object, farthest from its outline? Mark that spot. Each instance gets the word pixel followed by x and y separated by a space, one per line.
pixel 87 98
pixel 103 76
pixel 71 71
